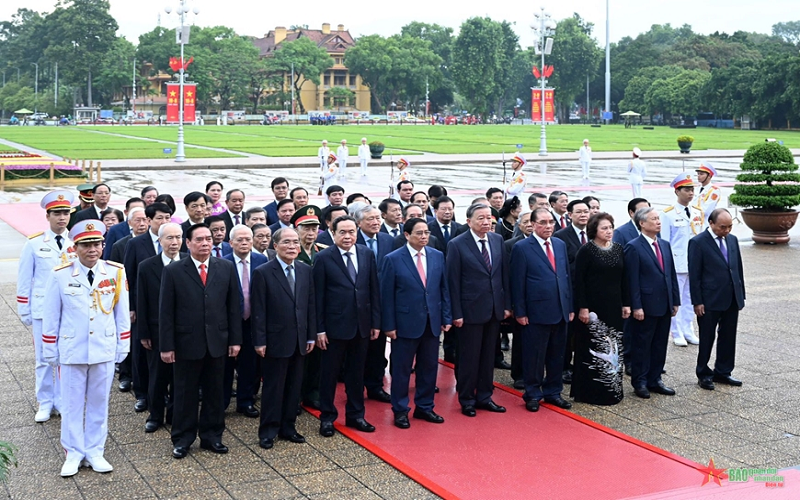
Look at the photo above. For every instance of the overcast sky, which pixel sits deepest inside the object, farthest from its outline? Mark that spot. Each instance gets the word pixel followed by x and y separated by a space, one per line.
pixel 628 17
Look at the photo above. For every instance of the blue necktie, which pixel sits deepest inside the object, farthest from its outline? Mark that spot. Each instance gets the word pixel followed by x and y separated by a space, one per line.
pixel 723 248
pixel 371 245
pixel 446 229
pixel 351 268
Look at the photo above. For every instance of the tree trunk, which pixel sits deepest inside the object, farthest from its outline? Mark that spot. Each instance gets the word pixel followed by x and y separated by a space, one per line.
pixel 89 90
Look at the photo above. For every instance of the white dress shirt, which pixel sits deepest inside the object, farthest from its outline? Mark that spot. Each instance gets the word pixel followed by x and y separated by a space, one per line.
pixel 197 265
pixel 650 242
pixel 414 258
pixel 541 243
pixel 353 256
pixel 578 232
pixel 154 237
pixel 167 261
pixel 478 243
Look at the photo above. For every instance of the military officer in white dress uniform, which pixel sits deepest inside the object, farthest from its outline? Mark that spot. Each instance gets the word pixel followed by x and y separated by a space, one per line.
pixel 516 185
pixel 86 329
pixel 363 156
pixel 330 172
pixel 680 223
pixel 710 194
pixel 637 171
pixel 322 154
pixel 343 152
pixel 40 255
pixel 585 153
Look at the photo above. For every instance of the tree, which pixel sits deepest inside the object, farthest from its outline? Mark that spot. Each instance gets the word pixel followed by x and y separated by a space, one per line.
pixel 575 57
pixel 638 86
pixel 340 96
pixel 310 61
pixel 115 70
pixel 477 61
pixel 789 31
pixel 371 58
pixel 441 38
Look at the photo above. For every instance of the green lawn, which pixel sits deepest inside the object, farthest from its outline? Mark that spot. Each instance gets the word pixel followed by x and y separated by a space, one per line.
pixel 303 140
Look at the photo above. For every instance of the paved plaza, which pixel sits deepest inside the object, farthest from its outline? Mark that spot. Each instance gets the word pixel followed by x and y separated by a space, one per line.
pixel 756 425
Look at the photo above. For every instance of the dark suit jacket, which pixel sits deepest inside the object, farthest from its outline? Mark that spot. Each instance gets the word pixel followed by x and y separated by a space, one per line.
pixel 385 245
pixel 653 290
pixel 477 295
pixel 139 249
pixel 185 225
pixel 436 231
pixel 569 237
pixel 558 222
pixel 625 233
pixel 195 319
pixel 325 238
pixel 118 250
pixel 272 213
pixel 385 230
pixel 345 308
pixel 256 260
pixel 117 232
pixel 148 291
pixel 229 222
pixel 86 213
pixel 273 228
pixel 508 245
pixel 282 321
pixel 714 282
pixel 433 242
pixel 537 291
pixel 225 249
pixel 406 304
pixel 270 254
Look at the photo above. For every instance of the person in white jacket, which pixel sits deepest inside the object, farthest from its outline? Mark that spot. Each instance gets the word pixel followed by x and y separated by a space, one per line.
pixel 585 158
pixel 516 185
pixel 322 154
pixel 637 171
pixel 343 152
pixel 363 156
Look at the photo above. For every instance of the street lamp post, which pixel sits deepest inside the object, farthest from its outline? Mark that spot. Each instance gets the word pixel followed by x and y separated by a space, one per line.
pixel 608 64
pixel 183 9
pixel 543 46
pixel 36 89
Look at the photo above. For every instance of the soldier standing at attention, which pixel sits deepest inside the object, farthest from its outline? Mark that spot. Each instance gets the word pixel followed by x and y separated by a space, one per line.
pixel 86 329
pixel 306 223
pixel 363 156
pixel 516 185
pixel 322 154
pixel 709 195
pixel 637 171
pixel 40 255
pixel 343 152
pixel 585 153
pixel 680 223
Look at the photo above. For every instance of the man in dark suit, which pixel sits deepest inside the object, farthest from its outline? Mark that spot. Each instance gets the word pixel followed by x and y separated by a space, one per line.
pixel 280 189
pixel 121 230
pixel 558 209
pixel 629 231
pixel 415 303
pixel 234 215
pixel 716 278
pixel 102 196
pixel 285 211
pixel 477 273
pixel 245 364
pixel 348 316
pixel 219 244
pixel 139 249
pixel 284 324
pixel 392 213
pixel 414 211
pixel 444 228
pixel 655 298
pixel 329 214
pixel 541 293
pixel 574 235
pixel 148 292
pixel 525 227
pixel 195 205
pixel 200 323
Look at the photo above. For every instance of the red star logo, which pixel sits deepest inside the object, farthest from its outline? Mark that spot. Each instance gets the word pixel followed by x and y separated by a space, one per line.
pixel 711 473
pixel 172 93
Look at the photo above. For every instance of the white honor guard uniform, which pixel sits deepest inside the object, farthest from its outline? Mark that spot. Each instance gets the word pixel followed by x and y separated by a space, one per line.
pixel 403 174
pixel 516 185
pixel 322 154
pixel 678 227
pixel 329 172
pixel 86 328
pixel 585 158
pixel 363 156
pixel 709 195
pixel 40 255
pixel 343 153
pixel 637 171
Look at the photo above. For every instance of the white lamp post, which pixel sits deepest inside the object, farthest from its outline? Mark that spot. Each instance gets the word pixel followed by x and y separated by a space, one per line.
pixel 183 9
pixel 36 89
pixel 608 63
pixel 544 46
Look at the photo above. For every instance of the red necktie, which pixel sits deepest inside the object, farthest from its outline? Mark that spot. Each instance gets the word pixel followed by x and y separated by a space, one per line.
pixel 659 257
pixel 563 221
pixel 550 256
pixel 203 274
pixel 421 270
pixel 583 237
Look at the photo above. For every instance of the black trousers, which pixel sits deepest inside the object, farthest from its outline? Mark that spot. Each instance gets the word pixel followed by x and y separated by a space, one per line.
pixel 190 375
pixel 311 365
pixel 160 382
pixel 722 326
pixel 543 360
pixel 283 379
pixel 516 351
pixel 375 367
pixel 450 345
pixel 569 345
pixel 331 363
pixel 245 365
pixel 649 339
pixel 139 368
pixel 476 345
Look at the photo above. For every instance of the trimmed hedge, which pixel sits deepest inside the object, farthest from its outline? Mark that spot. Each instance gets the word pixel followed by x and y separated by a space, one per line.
pixel 763 189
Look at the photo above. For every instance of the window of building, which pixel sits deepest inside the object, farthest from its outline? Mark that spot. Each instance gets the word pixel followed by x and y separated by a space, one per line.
pixel 352 80
pixel 327 79
pixel 339 78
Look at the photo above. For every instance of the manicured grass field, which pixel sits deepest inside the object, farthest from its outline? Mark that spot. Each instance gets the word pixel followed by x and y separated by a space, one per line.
pixel 303 140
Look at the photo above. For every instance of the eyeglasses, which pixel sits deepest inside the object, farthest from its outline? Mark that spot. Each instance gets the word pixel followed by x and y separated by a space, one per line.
pixel 289 243
pixel 550 222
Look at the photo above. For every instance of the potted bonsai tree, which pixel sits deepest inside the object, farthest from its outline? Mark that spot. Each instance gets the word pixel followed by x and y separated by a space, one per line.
pixel 376 149
pixel 769 188
pixel 685 143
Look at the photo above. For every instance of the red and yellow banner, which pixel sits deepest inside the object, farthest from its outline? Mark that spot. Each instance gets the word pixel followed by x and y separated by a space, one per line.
pixel 173 102
pixel 549 105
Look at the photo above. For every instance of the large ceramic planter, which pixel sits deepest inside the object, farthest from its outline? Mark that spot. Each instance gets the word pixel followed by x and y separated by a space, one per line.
pixel 685 147
pixel 376 151
pixel 770 227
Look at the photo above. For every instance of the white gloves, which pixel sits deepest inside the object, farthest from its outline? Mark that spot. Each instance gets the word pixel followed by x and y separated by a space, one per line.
pixel 120 357
pixel 52 361
pixel 26 320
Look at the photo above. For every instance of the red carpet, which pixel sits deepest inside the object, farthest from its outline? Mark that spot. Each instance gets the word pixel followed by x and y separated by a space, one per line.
pixel 551 454
pixel 27 218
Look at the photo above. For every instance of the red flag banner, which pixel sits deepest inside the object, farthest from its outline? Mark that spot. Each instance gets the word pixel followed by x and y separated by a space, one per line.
pixel 549 105
pixel 173 102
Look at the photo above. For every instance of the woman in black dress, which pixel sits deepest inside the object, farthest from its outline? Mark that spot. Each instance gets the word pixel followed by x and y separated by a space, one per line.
pixel 508 218
pixel 603 300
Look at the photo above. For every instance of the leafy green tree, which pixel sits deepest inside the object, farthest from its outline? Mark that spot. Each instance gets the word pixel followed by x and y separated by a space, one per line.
pixel 115 70
pixel 339 96
pixel 575 56
pixel 310 62
pixel 371 58
pixel 789 31
pixel 638 86
pixel 441 38
pixel 477 61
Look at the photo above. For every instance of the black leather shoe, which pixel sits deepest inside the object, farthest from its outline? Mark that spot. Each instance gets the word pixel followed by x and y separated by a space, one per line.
pixel 360 424
pixel 660 388
pixel 140 406
pixel 151 426
pixel 248 411
pixel 214 447
pixel 627 370
pixel 706 383
pixel 491 406
pixel 468 410
pixel 401 420
pixel 436 390
pixel 727 380
pixel 179 452
pixel 294 438
pixel 566 377
pixel 558 401
pixel 266 443
pixel 642 392
pixel 124 386
pixel 311 403
pixel 504 344
pixel 532 405
pixel 380 395
pixel 428 416
pixel 502 365
pixel 326 429
pixel 519 384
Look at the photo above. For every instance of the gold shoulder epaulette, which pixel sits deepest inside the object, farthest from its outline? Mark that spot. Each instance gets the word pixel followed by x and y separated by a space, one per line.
pixel 73 210
pixel 35 235
pixel 63 266
pixel 115 264
pixel 669 208
pixel 322 245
